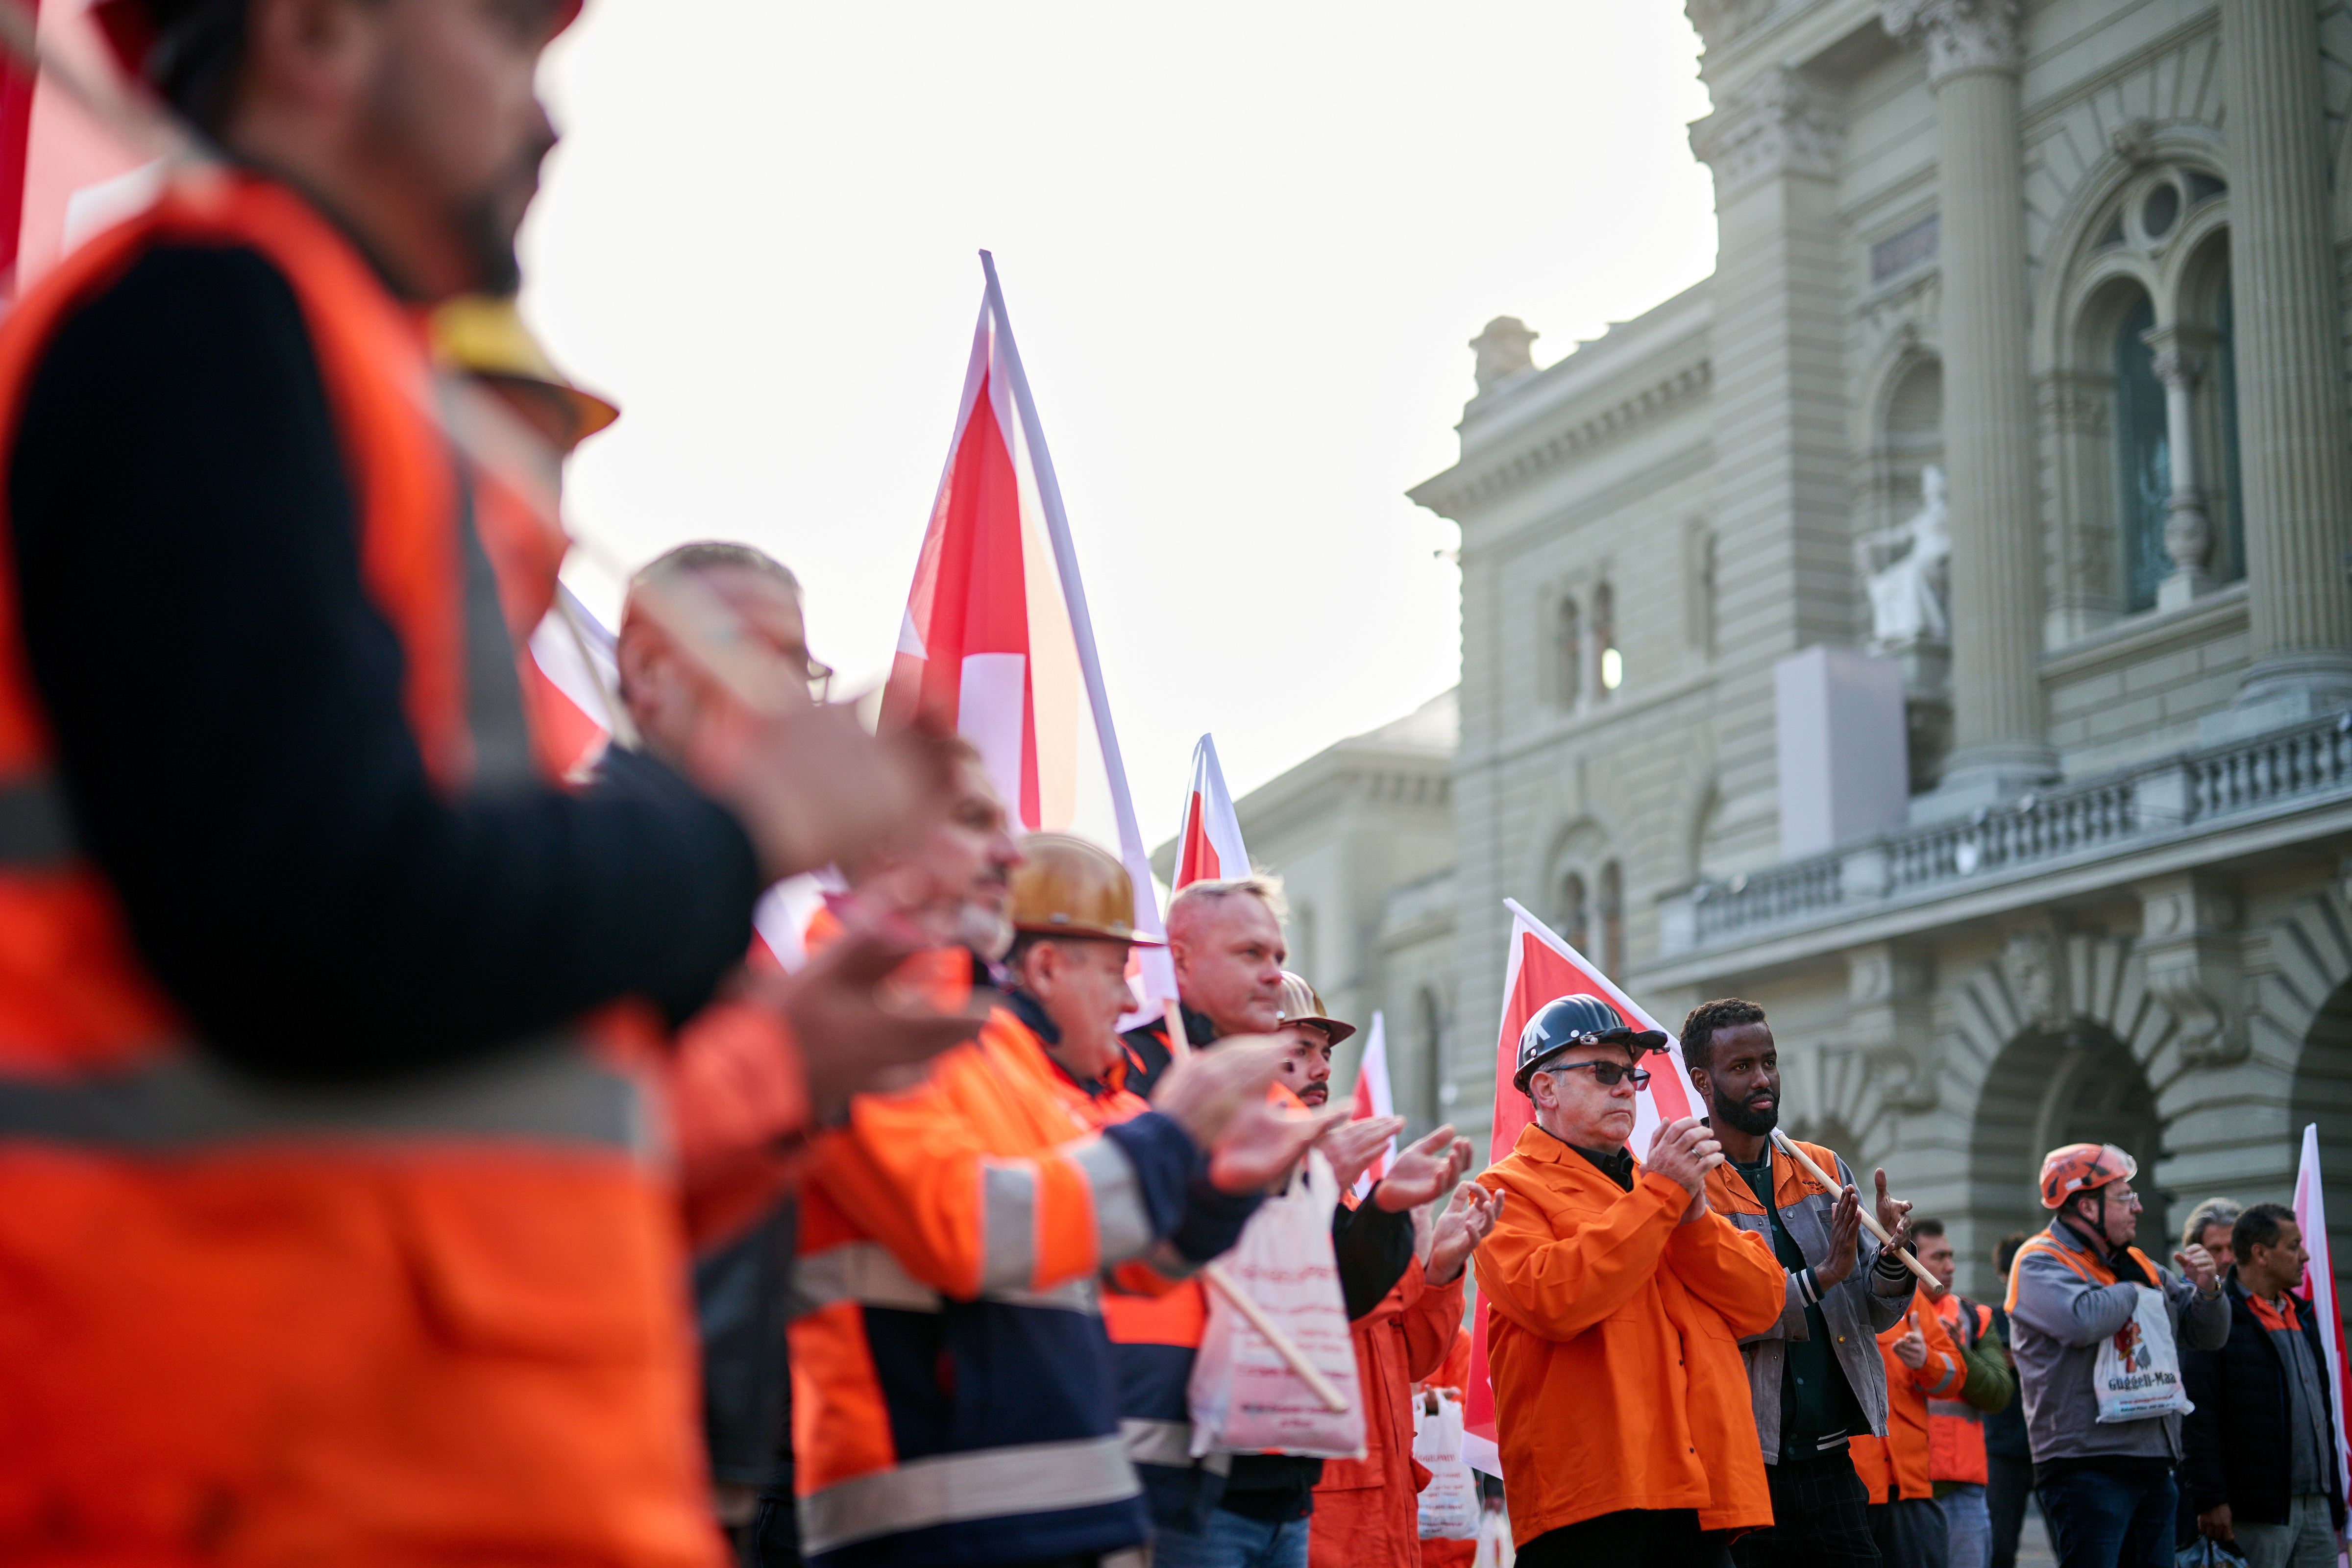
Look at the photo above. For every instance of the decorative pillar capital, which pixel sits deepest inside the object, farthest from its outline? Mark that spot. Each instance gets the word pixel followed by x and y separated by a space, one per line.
pixel 1959 36
pixel 1720 21
pixel 2181 354
pixel 1779 124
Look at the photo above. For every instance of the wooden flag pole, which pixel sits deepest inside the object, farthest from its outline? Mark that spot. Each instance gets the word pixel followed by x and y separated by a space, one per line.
pixel 1292 1356
pixel 1787 1146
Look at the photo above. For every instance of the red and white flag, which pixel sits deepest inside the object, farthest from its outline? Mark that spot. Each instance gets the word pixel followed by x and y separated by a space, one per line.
pixel 1372 1097
pixel 997 641
pixel 2319 1290
pixel 1209 840
pixel 1541 969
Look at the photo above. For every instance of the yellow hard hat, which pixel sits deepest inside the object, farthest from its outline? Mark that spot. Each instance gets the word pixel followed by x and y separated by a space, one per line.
pixel 486 335
pixel 1067 887
pixel 1300 1004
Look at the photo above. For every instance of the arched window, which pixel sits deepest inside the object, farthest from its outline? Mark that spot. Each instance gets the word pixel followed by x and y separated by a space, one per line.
pixel 2144 459
pixel 1575 917
pixel 1613 920
pixel 1604 641
pixel 1568 652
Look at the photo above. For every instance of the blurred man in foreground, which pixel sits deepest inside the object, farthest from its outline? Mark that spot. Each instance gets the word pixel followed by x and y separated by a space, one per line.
pixel 1814 1376
pixel 335 1028
pixel 1615 1299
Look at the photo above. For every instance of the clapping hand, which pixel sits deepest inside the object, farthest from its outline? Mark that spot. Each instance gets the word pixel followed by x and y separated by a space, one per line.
pixel 1894 1215
pixel 1423 1172
pixel 1683 1150
pixel 2198 1264
pixel 1352 1146
pixel 1845 1240
pixel 1465 1224
pixel 1911 1349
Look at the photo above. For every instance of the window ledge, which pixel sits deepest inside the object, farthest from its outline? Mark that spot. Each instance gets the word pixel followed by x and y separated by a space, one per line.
pixel 2149 633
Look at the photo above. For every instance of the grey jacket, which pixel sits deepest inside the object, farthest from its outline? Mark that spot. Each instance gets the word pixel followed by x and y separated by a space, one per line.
pixel 1854 1309
pixel 2056 1325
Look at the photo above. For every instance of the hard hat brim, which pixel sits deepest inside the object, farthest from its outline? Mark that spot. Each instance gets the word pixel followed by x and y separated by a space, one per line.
pixel 1091 933
pixel 1331 1026
pixel 1641 1041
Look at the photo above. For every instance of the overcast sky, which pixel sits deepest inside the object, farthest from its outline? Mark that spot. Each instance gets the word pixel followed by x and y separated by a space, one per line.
pixel 1243 247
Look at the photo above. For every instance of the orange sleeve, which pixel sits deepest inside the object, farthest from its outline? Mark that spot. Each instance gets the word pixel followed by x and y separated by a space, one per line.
pixel 1943 1375
pixel 1732 1270
pixel 1431 1321
pixel 914 1172
pixel 1557 1286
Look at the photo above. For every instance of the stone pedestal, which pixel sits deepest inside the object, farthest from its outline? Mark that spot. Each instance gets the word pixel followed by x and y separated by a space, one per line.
pixel 1999 738
pixel 2295 474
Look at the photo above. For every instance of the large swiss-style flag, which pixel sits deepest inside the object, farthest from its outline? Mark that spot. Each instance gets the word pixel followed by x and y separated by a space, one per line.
pixel 1209 840
pixel 1540 968
pixel 2318 1288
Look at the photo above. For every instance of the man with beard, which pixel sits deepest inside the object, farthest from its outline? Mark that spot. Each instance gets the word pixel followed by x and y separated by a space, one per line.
pixel 1814 1375
pixel 327 1012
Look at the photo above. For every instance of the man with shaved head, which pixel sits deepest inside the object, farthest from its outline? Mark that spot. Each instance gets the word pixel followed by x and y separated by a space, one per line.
pixel 1226 940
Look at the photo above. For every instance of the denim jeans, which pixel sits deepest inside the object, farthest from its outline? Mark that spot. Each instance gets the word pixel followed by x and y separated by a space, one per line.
pixel 2110 1519
pixel 1969 1522
pixel 1230 1541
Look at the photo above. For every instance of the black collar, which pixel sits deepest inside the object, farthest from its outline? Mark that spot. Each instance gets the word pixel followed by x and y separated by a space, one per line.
pixel 1617 1165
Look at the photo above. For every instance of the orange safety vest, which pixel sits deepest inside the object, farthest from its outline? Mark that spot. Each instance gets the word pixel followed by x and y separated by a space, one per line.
pixel 1897 1467
pixel 1955 1439
pixel 433 1321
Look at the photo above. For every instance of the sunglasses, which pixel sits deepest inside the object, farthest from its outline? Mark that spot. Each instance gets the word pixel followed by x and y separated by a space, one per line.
pixel 1609 1075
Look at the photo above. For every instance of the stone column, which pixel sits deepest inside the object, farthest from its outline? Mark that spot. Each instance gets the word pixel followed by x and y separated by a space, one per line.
pixel 2296 478
pixel 1999 734
pixel 2188 531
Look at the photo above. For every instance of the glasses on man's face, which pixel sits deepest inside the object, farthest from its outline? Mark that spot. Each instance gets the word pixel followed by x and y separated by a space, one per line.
pixel 1609 1075
pixel 2119 1194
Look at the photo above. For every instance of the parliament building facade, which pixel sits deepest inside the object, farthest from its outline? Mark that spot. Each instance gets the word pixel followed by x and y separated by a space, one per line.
pixel 2009 441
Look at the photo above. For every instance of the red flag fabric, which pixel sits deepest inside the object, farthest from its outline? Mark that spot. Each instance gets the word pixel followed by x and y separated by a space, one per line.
pixel 986 644
pixel 1538 969
pixel 1209 840
pixel 1373 1097
pixel 65 175
pixel 2319 1289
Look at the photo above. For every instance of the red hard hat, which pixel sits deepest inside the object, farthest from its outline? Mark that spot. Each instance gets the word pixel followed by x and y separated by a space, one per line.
pixel 131 26
pixel 2082 1168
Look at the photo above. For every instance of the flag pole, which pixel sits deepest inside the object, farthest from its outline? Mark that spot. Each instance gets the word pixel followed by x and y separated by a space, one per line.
pixel 1074 593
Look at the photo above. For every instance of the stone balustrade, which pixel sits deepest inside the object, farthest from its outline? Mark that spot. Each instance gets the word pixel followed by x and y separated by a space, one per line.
pixel 2192 792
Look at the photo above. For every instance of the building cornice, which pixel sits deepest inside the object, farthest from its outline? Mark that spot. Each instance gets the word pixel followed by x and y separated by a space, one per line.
pixel 1675 379
pixel 1958 36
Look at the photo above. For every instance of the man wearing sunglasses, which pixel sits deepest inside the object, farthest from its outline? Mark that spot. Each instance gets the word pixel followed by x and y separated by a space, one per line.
pixel 1615 1301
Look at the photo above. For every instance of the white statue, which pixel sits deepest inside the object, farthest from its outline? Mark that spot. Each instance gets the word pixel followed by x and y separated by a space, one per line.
pixel 1907 567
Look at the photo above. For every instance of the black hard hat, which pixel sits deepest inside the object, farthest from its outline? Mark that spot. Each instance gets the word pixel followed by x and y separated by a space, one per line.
pixel 1579 1020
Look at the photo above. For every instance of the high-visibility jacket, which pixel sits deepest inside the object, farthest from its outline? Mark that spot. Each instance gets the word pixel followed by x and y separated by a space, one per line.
pixel 1956 1436
pixel 1612 1342
pixel 421 1322
pixel 953 1395
pixel 1895 1467
pixel 1367 1510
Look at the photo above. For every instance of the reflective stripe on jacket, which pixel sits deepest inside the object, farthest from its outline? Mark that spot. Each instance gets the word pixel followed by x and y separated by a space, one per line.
pixel 1853 1308
pixel 1956 1438
pixel 1895 1467
pixel 2063 1301
pixel 420 1322
pixel 953 1395
pixel 1613 1344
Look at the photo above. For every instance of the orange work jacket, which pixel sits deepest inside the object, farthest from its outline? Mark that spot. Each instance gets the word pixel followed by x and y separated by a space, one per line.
pixel 1956 1438
pixel 1367 1512
pixel 1895 1467
pixel 431 1322
pixel 1613 1343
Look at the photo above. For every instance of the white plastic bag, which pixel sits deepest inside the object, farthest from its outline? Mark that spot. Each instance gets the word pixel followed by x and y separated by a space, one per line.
pixel 2138 1373
pixel 1449 1503
pixel 1244 1399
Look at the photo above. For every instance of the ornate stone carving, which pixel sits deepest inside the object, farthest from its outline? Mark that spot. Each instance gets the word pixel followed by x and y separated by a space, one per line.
pixel 1958 35
pixel 1503 351
pixel 1907 568
pixel 2191 955
pixel 1890 1013
pixel 2134 141
pixel 2034 964
pixel 1720 21
pixel 1778 125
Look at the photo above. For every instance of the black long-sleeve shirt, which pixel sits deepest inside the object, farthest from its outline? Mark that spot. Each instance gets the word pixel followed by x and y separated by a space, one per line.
pixel 227 706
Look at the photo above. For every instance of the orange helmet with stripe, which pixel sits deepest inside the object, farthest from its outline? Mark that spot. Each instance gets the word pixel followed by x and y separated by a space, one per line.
pixel 2083 1168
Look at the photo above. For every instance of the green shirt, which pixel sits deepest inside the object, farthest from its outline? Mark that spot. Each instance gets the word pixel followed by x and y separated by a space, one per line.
pixel 1818 1409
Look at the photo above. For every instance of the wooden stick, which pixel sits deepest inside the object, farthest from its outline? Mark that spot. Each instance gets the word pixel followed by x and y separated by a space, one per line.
pixel 1292 1356
pixel 1787 1146
pixel 1180 1044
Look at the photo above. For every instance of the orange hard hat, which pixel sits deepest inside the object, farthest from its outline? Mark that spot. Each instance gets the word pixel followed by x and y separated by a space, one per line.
pixel 1067 887
pixel 1300 1004
pixel 133 28
pixel 2083 1168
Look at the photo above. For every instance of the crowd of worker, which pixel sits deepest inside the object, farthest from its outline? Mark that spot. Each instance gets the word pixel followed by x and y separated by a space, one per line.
pixel 408 1153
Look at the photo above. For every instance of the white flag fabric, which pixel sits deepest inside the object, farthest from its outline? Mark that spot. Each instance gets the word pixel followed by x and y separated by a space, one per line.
pixel 1372 1097
pixel 1209 839
pixel 2319 1290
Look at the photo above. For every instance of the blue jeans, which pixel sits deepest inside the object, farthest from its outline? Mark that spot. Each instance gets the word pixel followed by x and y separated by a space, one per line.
pixel 1969 1523
pixel 1230 1541
pixel 2110 1519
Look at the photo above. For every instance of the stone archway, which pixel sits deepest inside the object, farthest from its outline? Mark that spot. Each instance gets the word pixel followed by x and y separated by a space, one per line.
pixel 2078 1085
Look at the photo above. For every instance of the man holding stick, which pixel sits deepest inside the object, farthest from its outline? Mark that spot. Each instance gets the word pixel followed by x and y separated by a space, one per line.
pixel 1814 1375
pixel 1614 1297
